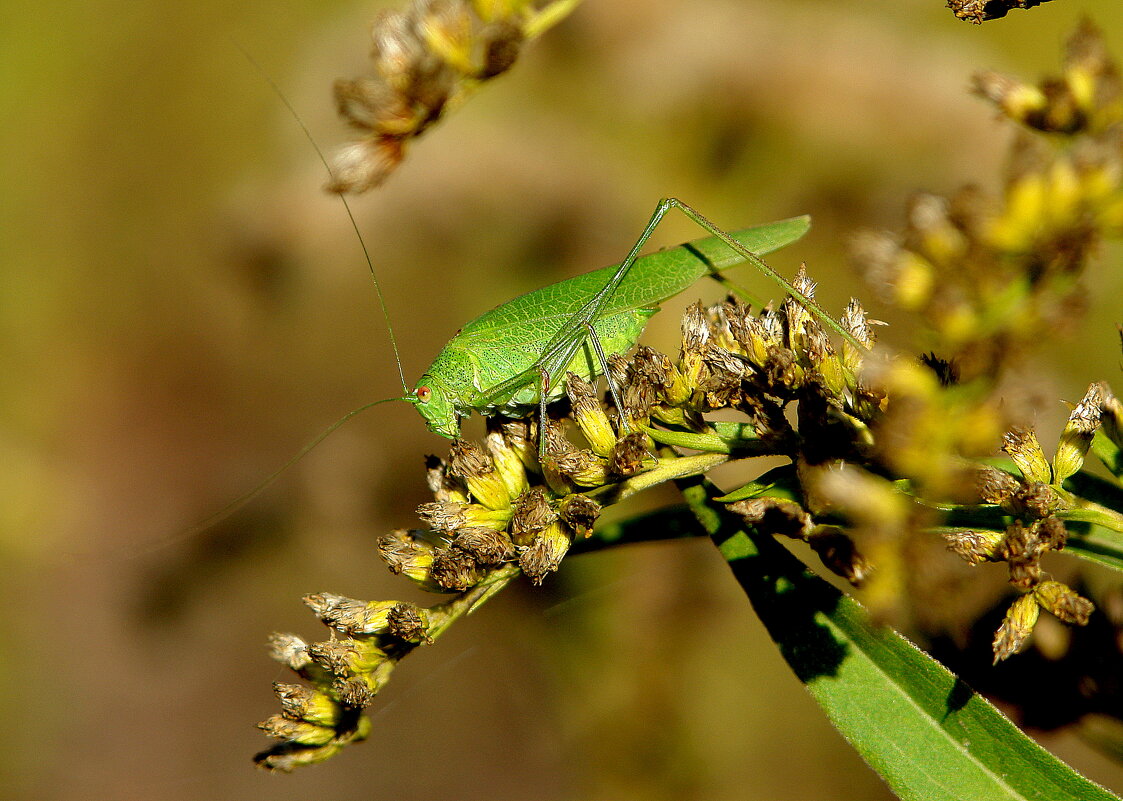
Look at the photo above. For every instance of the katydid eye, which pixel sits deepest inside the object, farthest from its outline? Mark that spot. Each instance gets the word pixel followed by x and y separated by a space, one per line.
pixel 423 394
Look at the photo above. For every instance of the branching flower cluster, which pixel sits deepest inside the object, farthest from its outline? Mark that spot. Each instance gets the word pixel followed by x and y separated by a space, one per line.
pixel 882 448
pixel 978 11
pixel 499 510
pixel 427 59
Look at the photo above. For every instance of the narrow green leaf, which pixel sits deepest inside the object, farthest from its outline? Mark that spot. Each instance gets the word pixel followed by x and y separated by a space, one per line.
pixel 1108 453
pixel 1096 489
pixel 708 443
pixel 736 438
pixel 1095 544
pixel 779 482
pixel 928 735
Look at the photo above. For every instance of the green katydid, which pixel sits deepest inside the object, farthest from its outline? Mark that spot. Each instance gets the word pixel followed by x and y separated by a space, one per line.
pixel 510 360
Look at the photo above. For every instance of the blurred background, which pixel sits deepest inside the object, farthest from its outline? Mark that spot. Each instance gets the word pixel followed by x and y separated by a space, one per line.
pixel 183 309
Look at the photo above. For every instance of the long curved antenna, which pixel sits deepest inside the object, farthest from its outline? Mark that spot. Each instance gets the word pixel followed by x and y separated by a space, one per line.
pixel 246 497
pixel 354 225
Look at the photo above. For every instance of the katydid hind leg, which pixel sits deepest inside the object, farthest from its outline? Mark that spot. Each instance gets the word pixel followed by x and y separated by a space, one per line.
pixel 812 305
pixel 563 346
pixel 560 350
pixel 543 392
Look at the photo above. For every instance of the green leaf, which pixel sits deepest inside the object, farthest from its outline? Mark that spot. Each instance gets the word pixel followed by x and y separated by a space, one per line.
pixel 1095 489
pixel 779 482
pixel 928 735
pixel 1108 453
pixel 1094 527
pixel 1095 544
pixel 736 438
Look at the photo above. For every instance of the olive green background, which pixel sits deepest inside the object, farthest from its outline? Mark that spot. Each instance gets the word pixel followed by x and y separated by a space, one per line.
pixel 182 309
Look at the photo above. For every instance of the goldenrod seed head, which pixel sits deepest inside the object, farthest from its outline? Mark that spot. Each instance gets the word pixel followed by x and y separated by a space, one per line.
pixel 303 703
pixel 996 486
pixel 533 513
pixel 975 547
pixel 450 517
pixel 1076 438
pixel 1022 446
pixel 695 329
pixel 855 323
pixel 508 463
pixel 1025 575
pixel 1052 533
pixel 1036 500
pixel 397 51
pixel 544 555
pixel 410 553
pixel 443 486
pixel 350 657
pixel 290 650
pixel 1063 602
pixel 630 455
pixel 408 622
pixel 296 731
pixel 776 516
pixel 456 570
pixel 487 546
pixel 726 367
pixel 794 312
pixel 580 513
pixel 362 165
pixel 1015 630
pixel 589 415
pixel 584 468
pixel 1021 543
pixel 372 106
pixel 472 463
pixel 349 615
pixel 519 435
pixel 353 692
pixel 641 388
pixel 652 365
pixel 838 554
pixel 731 324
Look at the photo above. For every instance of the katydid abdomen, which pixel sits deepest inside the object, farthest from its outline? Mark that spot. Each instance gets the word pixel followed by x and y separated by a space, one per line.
pixel 501 361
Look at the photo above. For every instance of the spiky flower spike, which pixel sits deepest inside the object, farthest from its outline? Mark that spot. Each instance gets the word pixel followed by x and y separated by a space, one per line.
pixel 882 452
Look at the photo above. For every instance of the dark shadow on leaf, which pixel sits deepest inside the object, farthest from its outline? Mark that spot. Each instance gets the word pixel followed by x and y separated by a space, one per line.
pixel 788 599
pixel 961 693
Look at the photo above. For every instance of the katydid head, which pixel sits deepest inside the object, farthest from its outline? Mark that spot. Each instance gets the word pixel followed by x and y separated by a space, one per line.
pixel 432 400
